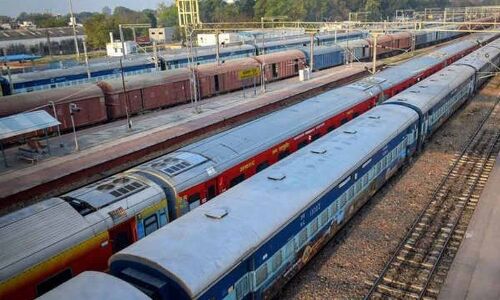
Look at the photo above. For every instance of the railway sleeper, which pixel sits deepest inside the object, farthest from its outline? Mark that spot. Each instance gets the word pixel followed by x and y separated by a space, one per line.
pixel 397 292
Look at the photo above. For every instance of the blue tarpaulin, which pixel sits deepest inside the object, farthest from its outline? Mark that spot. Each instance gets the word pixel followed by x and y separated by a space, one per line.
pixel 18 57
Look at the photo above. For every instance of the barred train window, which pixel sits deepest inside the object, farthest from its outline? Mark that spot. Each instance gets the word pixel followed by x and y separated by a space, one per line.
pixel 302 237
pixel 261 275
pixel 277 260
pixel 314 226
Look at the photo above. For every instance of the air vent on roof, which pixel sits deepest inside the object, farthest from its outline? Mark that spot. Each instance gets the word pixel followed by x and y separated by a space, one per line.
pixel 277 176
pixel 374 117
pixel 216 213
pixel 423 86
pixel 350 131
pixel 105 187
pixel 121 180
pixel 414 92
pixel 318 151
pixel 402 99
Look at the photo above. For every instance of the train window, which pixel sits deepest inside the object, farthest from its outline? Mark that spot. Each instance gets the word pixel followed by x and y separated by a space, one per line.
pixel 324 217
pixel 296 66
pixel 194 201
pixel 289 248
pixel 331 128
pixel 365 180
pixel 343 121
pixel 211 192
pixel 313 227
pixel 242 287
pixel 283 155
pixel 356 115
pixel 53 281
pixel 315 137
pixel 261 275
pixel 150 224
pixel 262 166
pixel 358 186
pixel 302 144
pixel 302 237
pixel 236 180
pixel 277 260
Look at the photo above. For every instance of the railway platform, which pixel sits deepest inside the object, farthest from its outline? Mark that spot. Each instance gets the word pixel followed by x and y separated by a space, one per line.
pixel 475 271
pixel 110 148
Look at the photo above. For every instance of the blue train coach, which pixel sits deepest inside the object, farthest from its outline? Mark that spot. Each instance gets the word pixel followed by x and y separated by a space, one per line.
pixel 245 243
pixel 326 56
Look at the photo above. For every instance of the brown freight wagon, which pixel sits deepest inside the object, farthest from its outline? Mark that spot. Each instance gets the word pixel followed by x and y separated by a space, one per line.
pixel 384 44
pixel 281 65
pixel 89 99
pixel 401 41
pixel 117 102
pixel 232 75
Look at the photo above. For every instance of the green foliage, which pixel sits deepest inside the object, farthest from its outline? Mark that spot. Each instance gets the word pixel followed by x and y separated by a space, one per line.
pixel 97 29
pixel 167 15
pixel 374 8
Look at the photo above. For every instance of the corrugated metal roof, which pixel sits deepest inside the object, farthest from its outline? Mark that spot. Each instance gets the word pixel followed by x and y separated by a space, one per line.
pixel 25 122
pixel 37 229
pixel 18 34
pixel 144 80
pixel 276 57
pixel 22 102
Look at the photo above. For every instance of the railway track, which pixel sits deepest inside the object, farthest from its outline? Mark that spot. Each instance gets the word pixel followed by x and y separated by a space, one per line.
pixel 420 263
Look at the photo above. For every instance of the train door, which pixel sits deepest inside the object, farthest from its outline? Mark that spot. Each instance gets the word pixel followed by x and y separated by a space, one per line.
pixel 122 235
pixel 150 219
pixel 211 188
pixel 274 69
pixel 216 83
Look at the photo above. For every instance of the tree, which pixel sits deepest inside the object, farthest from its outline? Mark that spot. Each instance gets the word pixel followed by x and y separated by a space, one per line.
pixel 167 15
pixel 151 15
pixel 97 29
pixel 373 7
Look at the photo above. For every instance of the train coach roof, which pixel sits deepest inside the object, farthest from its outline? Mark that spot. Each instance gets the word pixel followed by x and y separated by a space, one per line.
pixel 482 56
pixel 239 64
pixel 36 232
pixel 223 150
pixel 427 93
pixel 107 65
pixel 27 101
pixel 202 160
pixel 277 57
pixel 140 81
pixel 319 50
pixel 95 285
pixel 252 206
pixel 207 51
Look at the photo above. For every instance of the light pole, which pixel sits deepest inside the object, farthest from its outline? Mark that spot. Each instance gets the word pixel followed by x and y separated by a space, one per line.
pixel 73 22
pixel 72 109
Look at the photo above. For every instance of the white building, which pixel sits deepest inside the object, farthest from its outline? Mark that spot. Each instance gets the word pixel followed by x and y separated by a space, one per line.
pixel 115 48
pixel 161 34
pixel 209 39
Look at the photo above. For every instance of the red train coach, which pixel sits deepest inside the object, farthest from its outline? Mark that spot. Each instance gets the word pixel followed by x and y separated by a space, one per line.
pixel 279 65
pixel 87 97
pixel 215 79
